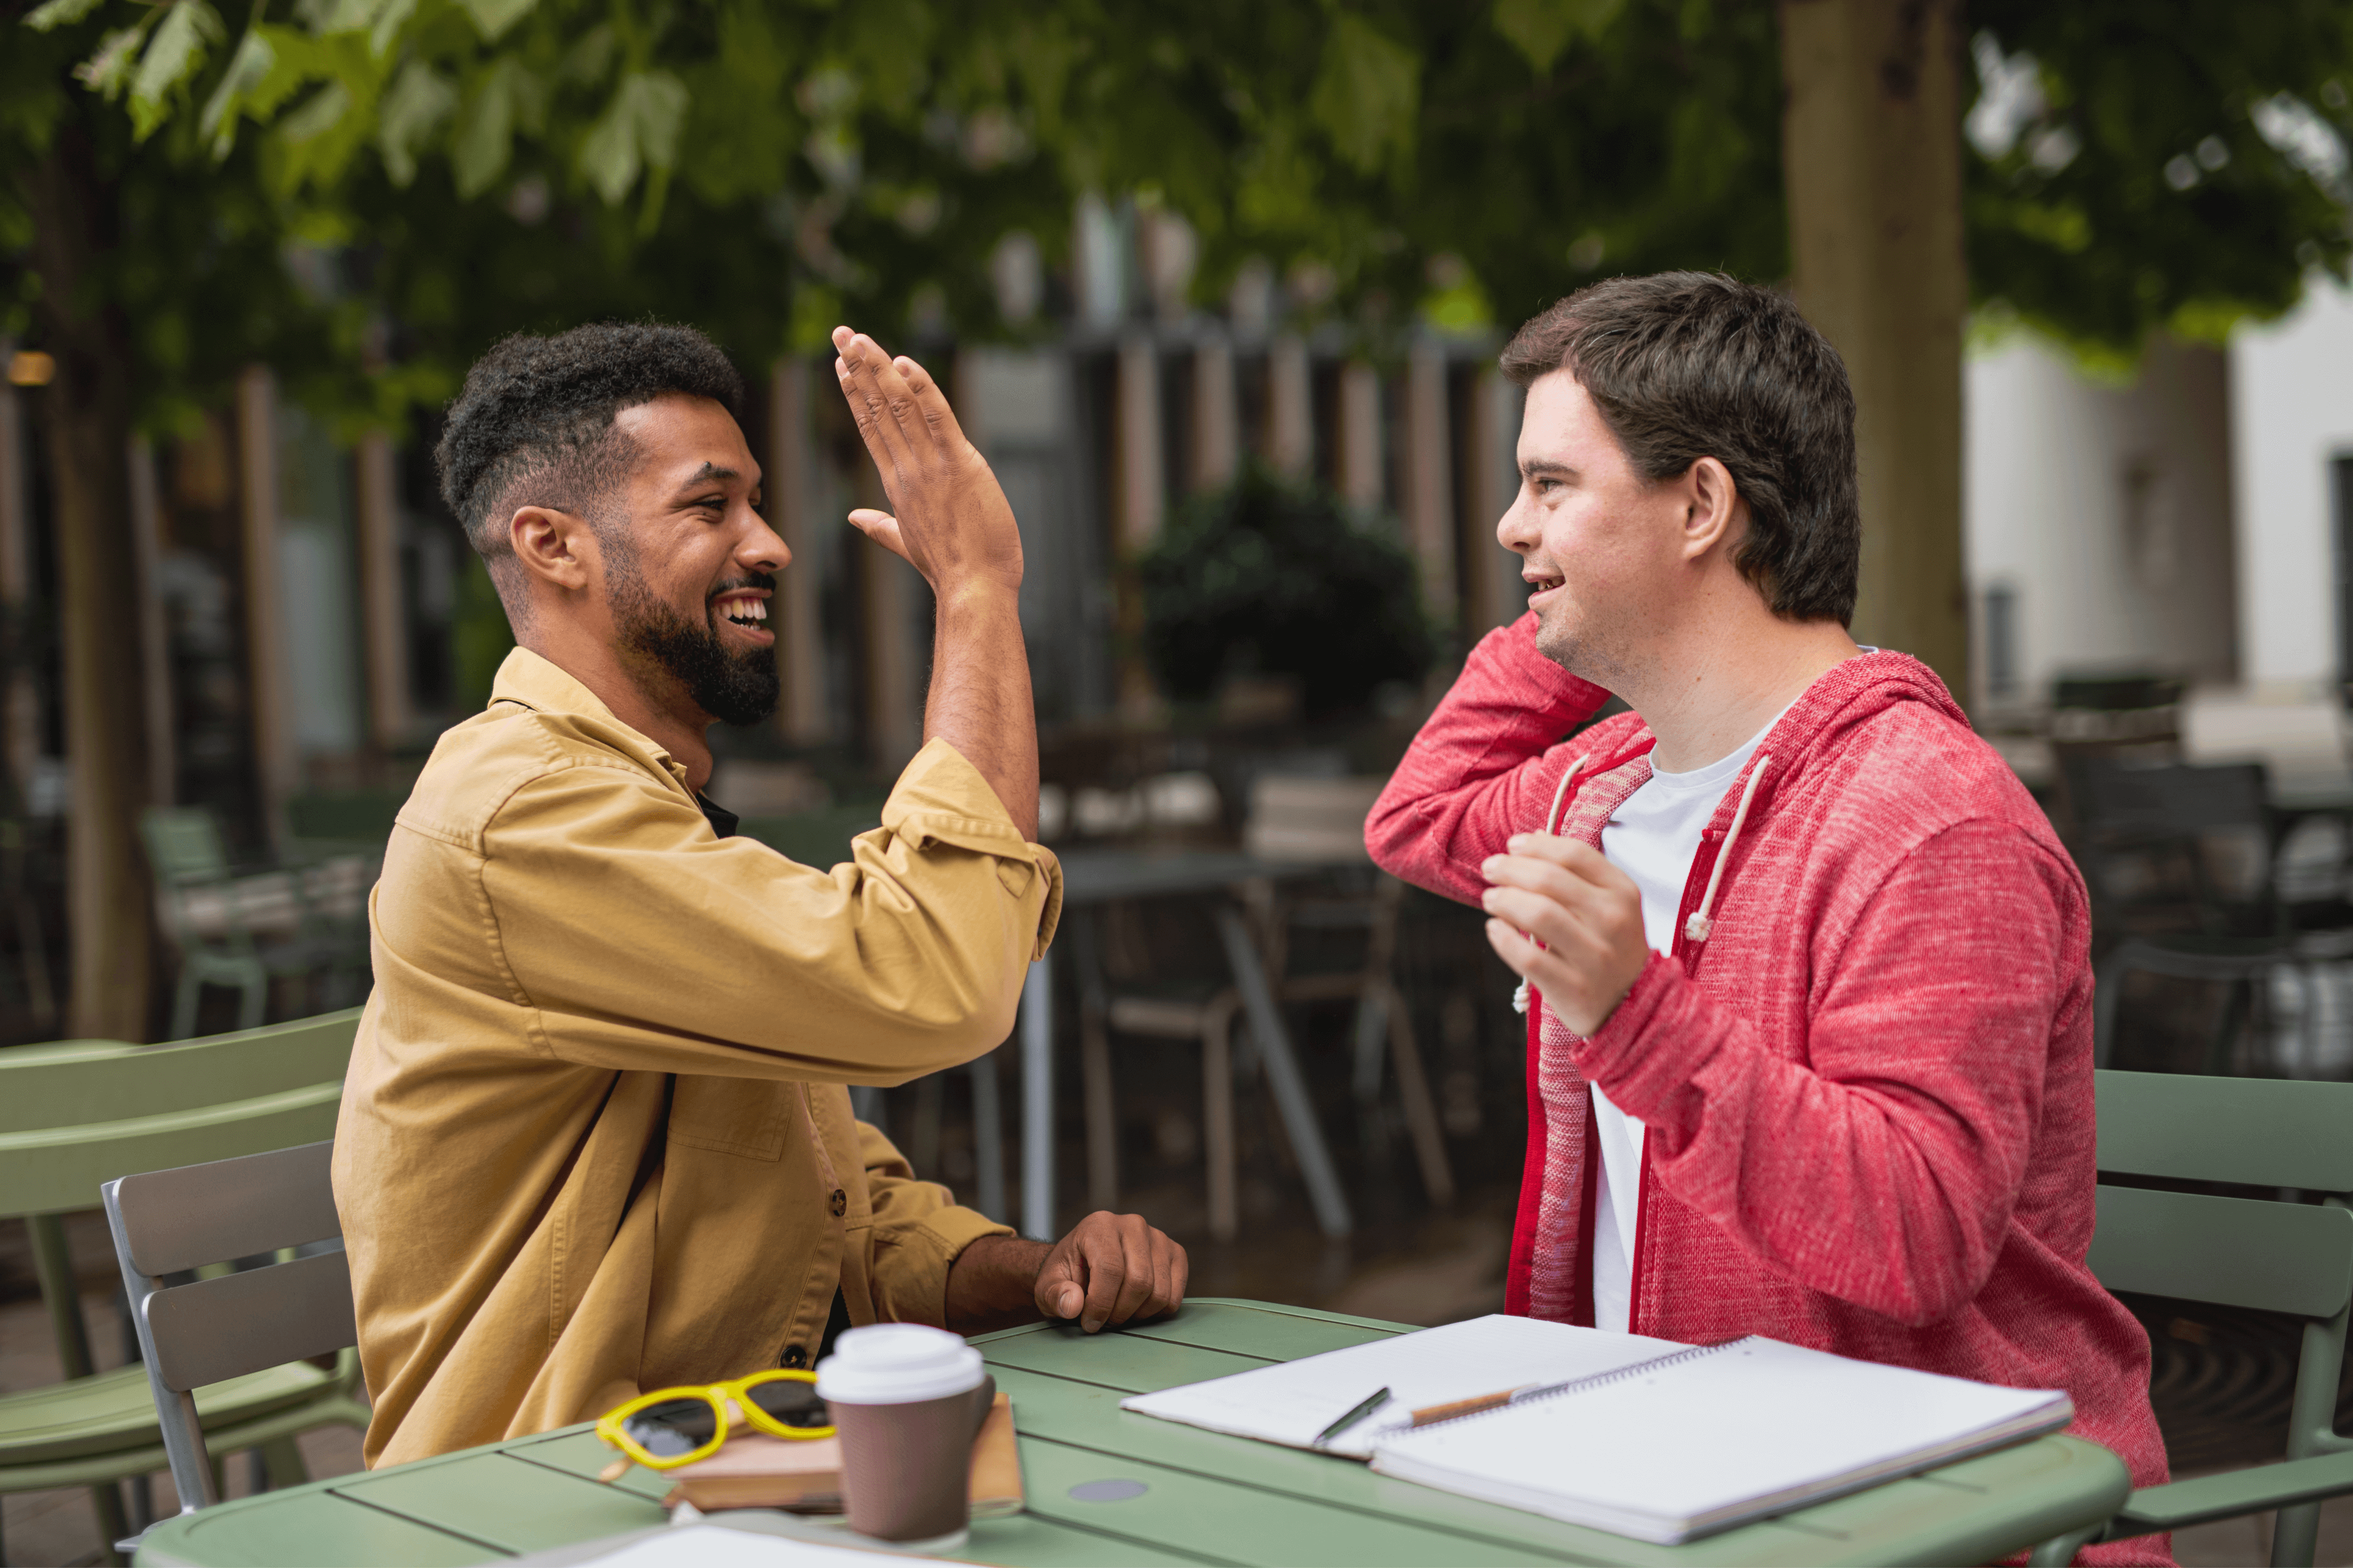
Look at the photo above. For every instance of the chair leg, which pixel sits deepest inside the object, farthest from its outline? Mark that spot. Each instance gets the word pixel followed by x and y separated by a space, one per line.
pixel 282 1459
pixel 113 1524
pixel 1217 1120
pixel 2060 1550
pixel 987 1139
pixel 1421 1114
pixel 2295 1536
pixel 1102 1124
pixel 184 997
pixel 254 1003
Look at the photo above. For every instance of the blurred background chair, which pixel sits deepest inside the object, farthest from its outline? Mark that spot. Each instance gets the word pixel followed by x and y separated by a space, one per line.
pixel 1334 940
pixel 78 1113
pixel 202 1329
pixel 242 929
pixel 2289 1256
pixel 2182 863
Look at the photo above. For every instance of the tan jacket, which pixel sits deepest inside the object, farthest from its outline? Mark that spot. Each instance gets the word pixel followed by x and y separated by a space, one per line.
pixel 594 1139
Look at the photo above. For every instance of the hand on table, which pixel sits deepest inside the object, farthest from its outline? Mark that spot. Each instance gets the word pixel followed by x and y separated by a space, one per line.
pixel 1110 1268
pixel 1585 914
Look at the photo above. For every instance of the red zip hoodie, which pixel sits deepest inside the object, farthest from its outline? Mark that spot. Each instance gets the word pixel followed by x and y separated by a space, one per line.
pixel 1866 1067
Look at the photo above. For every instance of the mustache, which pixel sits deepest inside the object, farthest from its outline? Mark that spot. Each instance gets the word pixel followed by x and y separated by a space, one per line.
pixel 749 580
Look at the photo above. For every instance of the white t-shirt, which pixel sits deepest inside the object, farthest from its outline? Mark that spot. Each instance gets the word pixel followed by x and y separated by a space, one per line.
pixel 1652 837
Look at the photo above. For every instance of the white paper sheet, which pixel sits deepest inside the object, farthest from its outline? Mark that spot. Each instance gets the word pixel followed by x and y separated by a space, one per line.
pixel 1290 1402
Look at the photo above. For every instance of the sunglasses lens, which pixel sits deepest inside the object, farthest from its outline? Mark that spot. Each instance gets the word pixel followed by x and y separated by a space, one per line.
pixel 673 1427
pixel 791 1401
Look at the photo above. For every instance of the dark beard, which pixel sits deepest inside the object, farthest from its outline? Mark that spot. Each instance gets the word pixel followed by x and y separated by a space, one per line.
pixel 733 688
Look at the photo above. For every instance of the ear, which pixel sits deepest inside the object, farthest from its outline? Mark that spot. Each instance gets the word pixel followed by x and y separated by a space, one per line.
pixel 554 547
pixel 1715 514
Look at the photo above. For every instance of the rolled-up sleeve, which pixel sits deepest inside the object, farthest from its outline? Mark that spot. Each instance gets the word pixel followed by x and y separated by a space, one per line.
pixel 914 1238
pixel 639 940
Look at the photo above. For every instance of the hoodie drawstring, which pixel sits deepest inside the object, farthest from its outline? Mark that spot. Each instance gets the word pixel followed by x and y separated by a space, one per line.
pixel 1552 824
pixel 1697 927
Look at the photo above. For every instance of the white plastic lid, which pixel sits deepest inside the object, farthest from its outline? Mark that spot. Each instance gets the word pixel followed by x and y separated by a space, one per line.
pixel 898 1363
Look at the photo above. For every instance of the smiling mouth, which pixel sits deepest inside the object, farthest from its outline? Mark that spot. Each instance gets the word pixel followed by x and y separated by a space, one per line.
pixel 742 610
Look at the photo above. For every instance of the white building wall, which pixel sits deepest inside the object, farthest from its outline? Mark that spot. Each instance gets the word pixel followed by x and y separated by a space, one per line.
pixel 2292 415
pixel 2103 513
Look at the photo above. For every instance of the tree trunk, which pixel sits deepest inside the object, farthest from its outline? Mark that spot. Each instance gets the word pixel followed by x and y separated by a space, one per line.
pixel 1870 144
pixel 88 433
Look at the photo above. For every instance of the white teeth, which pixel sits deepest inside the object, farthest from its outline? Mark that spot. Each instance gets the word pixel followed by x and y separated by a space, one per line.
pixel 759 609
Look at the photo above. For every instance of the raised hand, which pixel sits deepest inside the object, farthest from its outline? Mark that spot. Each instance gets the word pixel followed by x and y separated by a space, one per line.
pixel 949 517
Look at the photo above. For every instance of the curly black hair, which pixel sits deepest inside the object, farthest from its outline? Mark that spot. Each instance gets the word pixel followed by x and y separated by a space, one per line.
pixel 539 411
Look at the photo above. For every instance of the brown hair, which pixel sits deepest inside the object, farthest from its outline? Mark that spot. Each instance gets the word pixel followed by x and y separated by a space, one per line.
pixel 1685 365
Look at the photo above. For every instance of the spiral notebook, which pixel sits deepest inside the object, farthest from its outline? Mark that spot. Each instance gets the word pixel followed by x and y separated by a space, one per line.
pixel 1707 1438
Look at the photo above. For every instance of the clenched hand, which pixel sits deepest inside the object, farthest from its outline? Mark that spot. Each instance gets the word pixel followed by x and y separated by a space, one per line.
pixel 1585 914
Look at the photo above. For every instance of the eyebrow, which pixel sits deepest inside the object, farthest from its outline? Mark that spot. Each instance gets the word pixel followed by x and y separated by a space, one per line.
pixel 1547 467
pixel 707 472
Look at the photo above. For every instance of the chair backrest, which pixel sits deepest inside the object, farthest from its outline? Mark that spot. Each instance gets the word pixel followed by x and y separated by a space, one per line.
pixel 1319 821
pixel 2292 1257
pixel 183 843
pixel 205 1331
pixel 79 1112
pixel 2170 800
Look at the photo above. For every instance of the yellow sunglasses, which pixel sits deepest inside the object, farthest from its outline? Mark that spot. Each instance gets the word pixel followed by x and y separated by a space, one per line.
pixel 674 1427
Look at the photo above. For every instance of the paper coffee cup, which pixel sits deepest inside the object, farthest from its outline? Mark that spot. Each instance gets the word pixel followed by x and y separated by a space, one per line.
pixel 906 1401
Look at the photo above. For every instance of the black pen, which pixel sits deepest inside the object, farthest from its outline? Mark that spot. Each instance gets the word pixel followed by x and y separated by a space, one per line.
pixel 1374 1402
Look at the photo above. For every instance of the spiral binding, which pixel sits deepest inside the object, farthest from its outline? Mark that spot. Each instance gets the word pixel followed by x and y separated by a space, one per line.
pixel 1598 1380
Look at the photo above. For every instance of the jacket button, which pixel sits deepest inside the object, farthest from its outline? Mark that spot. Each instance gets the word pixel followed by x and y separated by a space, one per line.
pixel 795 1356
pixel 838 1204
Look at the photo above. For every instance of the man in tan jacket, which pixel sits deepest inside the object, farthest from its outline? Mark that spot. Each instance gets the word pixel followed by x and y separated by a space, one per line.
pixel 595 1137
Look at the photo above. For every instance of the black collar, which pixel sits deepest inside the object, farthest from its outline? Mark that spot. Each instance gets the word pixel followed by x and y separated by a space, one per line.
pixel 722 821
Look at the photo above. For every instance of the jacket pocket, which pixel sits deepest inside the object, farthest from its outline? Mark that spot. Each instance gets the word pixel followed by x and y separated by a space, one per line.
pixel 742 1116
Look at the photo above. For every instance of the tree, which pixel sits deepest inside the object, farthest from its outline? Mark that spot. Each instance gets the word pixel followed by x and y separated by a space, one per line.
pixel 137 269
pixel 768 166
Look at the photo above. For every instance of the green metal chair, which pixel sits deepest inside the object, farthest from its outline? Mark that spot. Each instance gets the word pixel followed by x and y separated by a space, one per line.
pixel 78 1113
pixel 213 914
pixel 2268 1256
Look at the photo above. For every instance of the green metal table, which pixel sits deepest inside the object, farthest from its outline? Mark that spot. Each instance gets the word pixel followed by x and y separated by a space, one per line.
pixel 1203 1498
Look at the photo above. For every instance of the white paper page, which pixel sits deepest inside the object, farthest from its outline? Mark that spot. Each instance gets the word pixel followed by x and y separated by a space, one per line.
pixel 1715 1432
pixel 709 1546
pixel 1293 1401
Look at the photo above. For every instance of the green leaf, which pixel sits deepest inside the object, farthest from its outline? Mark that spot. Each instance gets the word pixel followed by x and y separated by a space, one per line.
pixel 638 128
pixel 493 18
pixel 323 113
pixel 60 14
pixel 107 70
pixel 173 54
pixel 1541 29
pixel 247 69
pixel 1366 92
pixel 389 21
pixel 484 138
pixel 419 99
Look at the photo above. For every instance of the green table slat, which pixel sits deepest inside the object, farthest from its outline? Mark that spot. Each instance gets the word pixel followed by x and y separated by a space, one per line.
pixel 511 1503
pixel 1253 1332
pixel 310 1529
pixel 578 1451
pixel 1237 1523
pixel 1030 1540
pixel 1131 1364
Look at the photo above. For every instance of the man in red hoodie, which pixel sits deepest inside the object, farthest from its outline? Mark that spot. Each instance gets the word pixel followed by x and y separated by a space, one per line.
pixel 1808 986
